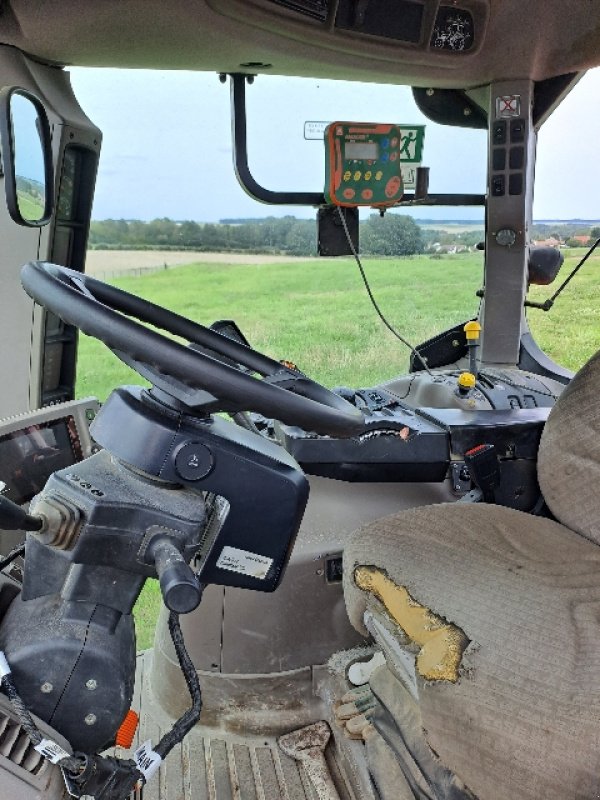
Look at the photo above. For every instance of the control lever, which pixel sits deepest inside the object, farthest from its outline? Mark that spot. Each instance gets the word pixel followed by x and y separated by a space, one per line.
pixel 180 587
pixel 15 518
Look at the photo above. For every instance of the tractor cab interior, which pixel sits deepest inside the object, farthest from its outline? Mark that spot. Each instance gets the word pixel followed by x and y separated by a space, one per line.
pixel 369 593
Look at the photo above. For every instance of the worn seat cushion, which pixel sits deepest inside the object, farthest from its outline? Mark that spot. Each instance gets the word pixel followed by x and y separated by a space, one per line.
pixel 569 455
pixel 523 719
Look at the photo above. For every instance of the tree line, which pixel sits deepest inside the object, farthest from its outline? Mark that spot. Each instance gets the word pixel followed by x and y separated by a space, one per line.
pixel 394 234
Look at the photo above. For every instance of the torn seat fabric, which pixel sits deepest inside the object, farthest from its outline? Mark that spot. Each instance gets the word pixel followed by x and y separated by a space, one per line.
pixel 522 720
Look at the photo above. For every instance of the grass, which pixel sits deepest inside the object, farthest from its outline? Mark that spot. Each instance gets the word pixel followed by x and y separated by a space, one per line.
pixel 314 313
pixel 318 315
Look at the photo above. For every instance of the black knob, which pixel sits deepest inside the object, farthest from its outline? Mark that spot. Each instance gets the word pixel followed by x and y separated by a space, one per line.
pixel 179 586
pixel 15 518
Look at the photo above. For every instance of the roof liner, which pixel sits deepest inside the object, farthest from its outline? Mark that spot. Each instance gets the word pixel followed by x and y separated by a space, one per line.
pixel 514 39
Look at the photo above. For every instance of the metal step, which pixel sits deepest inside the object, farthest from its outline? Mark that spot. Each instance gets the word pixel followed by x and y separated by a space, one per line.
pixel 211 765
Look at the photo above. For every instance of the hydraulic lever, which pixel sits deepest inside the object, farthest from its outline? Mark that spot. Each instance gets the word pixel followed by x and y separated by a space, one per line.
pixel 15 518
pixel 179 585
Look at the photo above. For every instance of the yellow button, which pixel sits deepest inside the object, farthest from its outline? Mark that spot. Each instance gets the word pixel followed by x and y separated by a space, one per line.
pixel 368 175
pixel 347 175
pixel 472 329
pixel 378 175
pixel 466 380
pixel 357 175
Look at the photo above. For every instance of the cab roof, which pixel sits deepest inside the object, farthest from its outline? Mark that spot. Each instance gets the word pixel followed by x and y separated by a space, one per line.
pixel 415 42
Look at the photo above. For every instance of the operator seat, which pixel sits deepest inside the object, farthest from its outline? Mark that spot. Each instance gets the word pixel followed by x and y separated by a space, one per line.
pixel 492 680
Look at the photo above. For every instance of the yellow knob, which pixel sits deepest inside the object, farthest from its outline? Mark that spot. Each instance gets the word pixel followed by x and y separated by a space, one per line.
pixel 466 380
pixel 472 329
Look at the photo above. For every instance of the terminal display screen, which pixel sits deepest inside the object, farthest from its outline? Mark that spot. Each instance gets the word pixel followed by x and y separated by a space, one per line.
pixel 363 151
pixel 30 455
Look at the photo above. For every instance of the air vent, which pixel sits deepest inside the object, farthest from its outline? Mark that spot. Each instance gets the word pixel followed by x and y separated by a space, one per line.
pixel 317 9
pixel 16 746
pixel 393 19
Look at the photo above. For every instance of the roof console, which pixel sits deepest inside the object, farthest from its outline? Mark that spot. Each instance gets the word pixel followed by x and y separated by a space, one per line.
pixel 310 8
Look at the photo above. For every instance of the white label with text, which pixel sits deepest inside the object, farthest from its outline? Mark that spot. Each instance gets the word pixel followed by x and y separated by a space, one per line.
pixel 51 750
pixel 147 760
pixel 245 562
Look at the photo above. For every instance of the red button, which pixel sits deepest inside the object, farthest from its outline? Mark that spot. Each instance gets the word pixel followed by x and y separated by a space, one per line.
pixel 393 156
pixel 394 142
pixel 367 194
pixel 393 186
pixel 348 193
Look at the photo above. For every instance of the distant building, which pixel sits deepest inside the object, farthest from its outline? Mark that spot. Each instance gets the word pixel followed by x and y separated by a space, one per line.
pixel 550 242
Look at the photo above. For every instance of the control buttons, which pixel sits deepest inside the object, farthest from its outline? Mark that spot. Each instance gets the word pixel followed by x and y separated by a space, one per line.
pixel 498 158
pixel 367 194
pixel 194 461
pixel 517 130
pixel 378 175
pixel 347 175
pixel 368 175
pixel 357 175
pixel 499 132
pixel 516 157
pixel 515 184
pixel 393 186
pixel 393 156
pixel 348 193
pixel 498 185
pixel 385 142
pixel 394 142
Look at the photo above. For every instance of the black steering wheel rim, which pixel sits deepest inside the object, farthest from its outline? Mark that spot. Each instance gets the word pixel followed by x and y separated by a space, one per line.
pixel 114 316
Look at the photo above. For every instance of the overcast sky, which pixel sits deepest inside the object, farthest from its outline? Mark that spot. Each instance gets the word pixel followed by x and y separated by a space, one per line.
pixel 167 145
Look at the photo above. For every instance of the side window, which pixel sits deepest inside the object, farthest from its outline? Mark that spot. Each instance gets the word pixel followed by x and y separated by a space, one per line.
pixel 566 213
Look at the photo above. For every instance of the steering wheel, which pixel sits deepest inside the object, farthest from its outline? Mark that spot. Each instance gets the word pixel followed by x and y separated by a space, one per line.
pixel 110 314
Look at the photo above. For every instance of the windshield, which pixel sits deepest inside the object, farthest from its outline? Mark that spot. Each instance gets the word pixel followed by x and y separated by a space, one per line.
pixel 167 198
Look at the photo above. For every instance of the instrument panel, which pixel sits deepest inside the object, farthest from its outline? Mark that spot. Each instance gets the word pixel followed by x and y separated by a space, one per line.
pixel 36 444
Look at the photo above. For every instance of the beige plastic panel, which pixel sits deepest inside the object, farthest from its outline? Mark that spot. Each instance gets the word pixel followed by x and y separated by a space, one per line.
pixel 21 328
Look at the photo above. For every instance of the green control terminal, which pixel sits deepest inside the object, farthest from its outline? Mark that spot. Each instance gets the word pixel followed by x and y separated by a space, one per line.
pixel 363 164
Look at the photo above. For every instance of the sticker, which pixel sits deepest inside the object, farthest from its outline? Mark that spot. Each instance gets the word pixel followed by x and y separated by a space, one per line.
pixel 4 665
pixel 244 562
pixel 147 760
pixel 52 751
pixel 508 106
pixel 315 130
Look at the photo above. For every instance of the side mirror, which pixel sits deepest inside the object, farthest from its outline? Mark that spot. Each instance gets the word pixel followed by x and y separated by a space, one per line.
pixel 27 158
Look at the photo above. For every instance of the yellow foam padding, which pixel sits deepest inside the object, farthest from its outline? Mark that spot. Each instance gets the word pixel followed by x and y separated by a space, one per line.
pixel 442 644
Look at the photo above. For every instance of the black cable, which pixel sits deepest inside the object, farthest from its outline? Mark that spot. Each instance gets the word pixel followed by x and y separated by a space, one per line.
pixel 187 721
pixel 73 764
pixel 372 298
pixel 487 373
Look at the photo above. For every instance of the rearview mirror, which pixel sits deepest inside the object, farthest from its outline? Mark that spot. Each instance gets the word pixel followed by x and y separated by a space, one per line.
pixel 28 174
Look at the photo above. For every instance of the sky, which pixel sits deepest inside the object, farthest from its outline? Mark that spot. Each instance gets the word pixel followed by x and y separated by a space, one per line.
pixel 166 148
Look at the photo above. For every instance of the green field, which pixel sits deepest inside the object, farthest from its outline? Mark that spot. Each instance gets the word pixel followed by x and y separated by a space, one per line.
pixel 318 315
